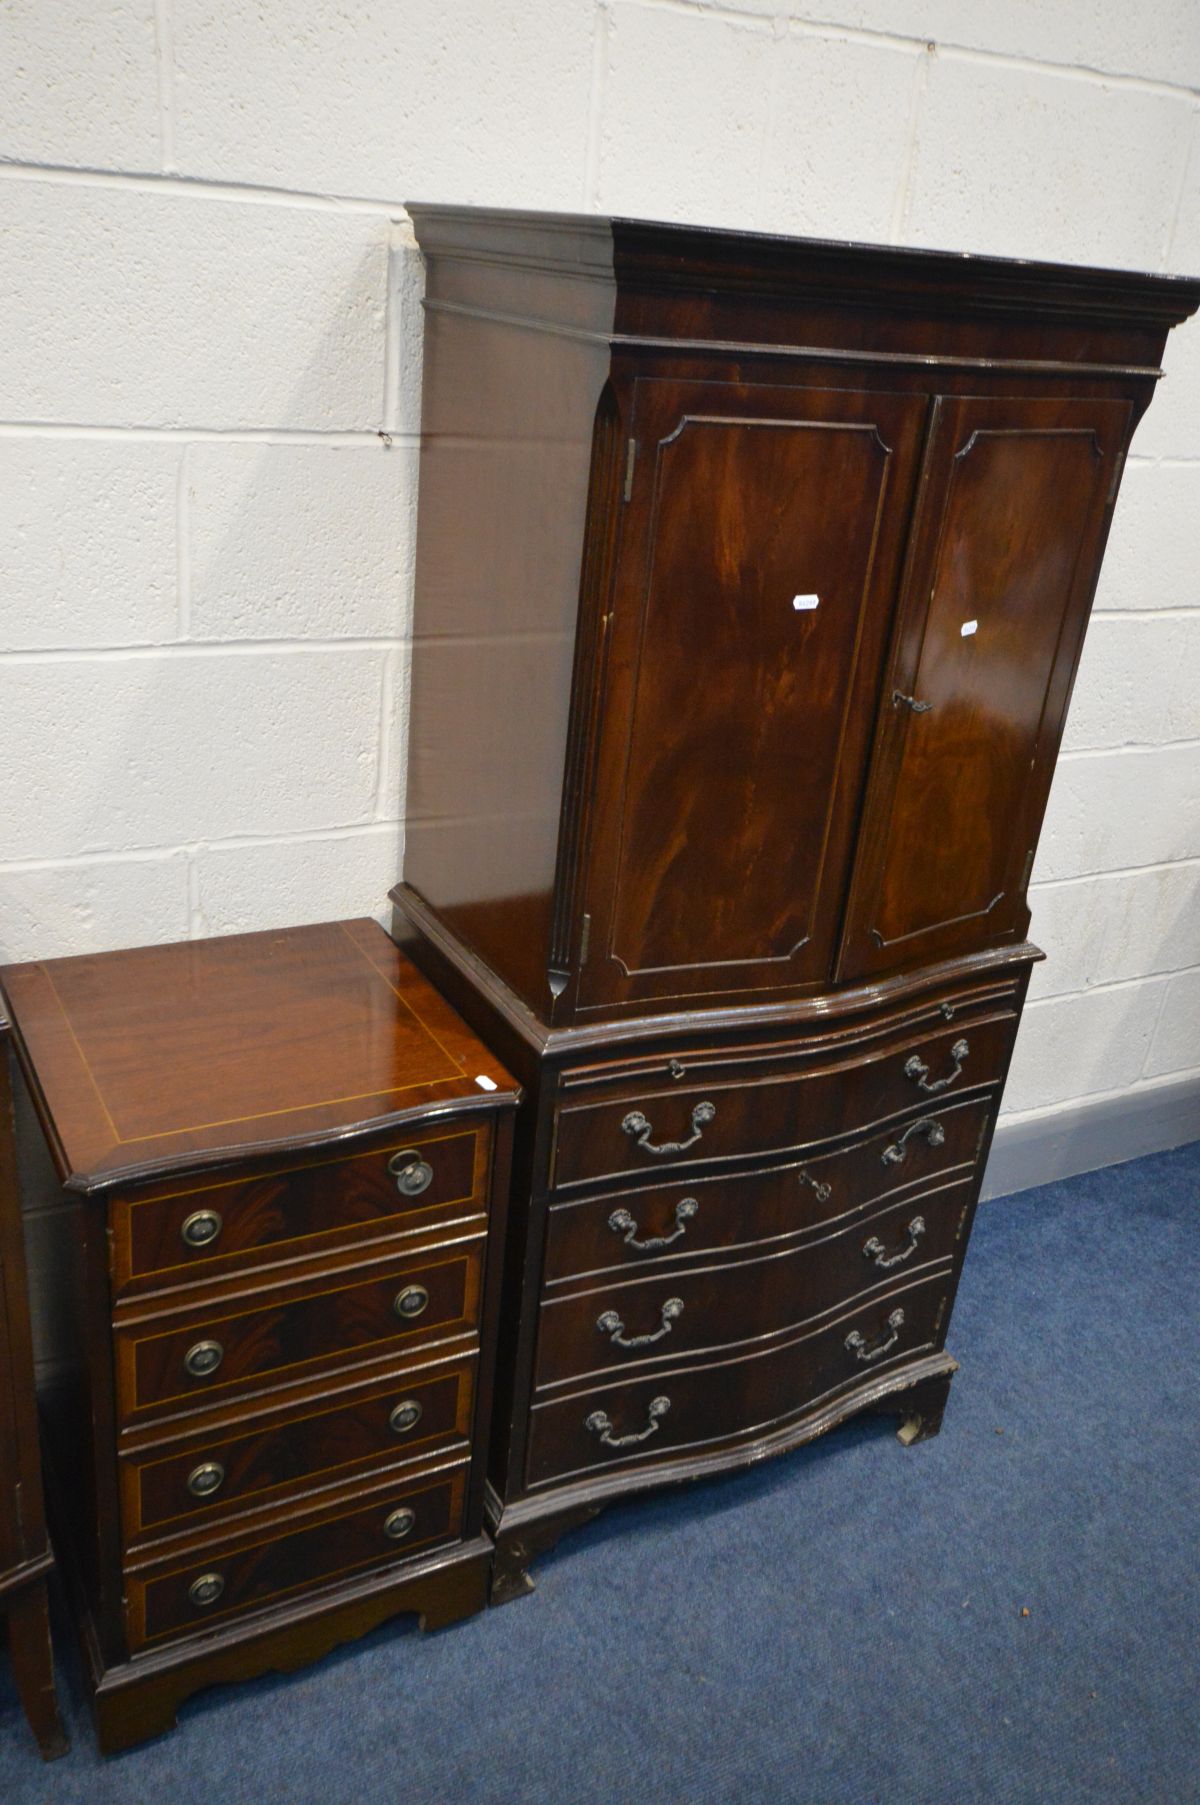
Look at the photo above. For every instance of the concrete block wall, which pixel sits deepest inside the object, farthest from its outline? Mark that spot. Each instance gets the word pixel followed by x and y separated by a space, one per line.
pixel 209 397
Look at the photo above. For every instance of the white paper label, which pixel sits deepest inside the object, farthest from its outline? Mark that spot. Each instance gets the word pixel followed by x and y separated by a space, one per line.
pixel 968 627
pixel 802 603
pixel 485 1084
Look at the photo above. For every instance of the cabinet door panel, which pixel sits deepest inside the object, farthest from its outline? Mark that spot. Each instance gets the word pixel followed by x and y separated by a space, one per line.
pixel 759 551
pixel 1011 516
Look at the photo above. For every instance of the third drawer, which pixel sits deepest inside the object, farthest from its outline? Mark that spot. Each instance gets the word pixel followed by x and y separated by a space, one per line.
pixel 258 1455
pixel 666 1315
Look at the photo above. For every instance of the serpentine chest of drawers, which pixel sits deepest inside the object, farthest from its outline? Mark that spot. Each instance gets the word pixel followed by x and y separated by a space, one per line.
pixel 752 578
pixel 264 1181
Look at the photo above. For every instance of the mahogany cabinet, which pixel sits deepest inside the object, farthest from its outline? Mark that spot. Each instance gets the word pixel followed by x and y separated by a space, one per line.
pixel 25 1556
pixel 264 1182
pixel 752 578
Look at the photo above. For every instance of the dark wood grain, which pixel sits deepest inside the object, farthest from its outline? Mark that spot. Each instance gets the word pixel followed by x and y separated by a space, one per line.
pixel 741 1209
pixel 557 349
pixel 1015 500
pixel 765 1097
pixel 291 1211
pixel 744 1394
pixel 315 1243
pixel 728 851
pixel 808 493
pixel 25 1556
pixel 274 1566
pixel 310 1448
pixel 329 1321
pixel 175 1056
pixel 137 1698
pixel 759 1295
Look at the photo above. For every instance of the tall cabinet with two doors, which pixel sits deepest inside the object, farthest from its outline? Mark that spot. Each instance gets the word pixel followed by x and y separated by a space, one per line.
pixel 752 579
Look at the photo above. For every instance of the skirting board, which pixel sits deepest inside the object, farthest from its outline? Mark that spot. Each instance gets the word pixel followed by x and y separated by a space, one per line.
pixel 1088 1135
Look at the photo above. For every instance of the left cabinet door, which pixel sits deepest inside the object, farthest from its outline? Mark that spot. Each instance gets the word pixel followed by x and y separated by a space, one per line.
pixel 759 548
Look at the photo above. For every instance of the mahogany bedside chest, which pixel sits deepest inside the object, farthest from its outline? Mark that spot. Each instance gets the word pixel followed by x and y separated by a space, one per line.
pixel 265 1194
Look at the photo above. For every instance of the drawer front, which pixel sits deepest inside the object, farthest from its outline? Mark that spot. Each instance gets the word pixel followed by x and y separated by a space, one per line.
pixel 218 1585
pixel 666 1413
pixel 199 1232
pixel 728 1106
pixel 669 1223
pixel 235 1468
pixel 216 1352
pixel 669 1315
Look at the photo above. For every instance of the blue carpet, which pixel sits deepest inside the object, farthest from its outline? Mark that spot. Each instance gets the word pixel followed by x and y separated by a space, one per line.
pixel 841 1626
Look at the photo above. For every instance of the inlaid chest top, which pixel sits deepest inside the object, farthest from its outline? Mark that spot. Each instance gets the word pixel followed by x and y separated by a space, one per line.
pixel 171 1056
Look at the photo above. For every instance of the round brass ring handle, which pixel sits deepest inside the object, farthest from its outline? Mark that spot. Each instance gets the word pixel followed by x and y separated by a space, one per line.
pixel 201 1227
pixel 410 1302
pixel 206 1479
pixel 411 1173
pixel 404 1416
pixel 399 1524
pixel 203 1359
pixel 206 1590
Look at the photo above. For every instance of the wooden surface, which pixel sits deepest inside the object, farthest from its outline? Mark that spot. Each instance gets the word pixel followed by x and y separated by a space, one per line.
pixel 767 418
pixel 739 887
pixel 728 709
pixel 267 1282
pixel 25 1557
pixel 166 1057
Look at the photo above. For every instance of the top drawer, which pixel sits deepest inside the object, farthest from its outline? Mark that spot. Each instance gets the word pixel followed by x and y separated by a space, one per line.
pixel 173 1236
pixel 724 1104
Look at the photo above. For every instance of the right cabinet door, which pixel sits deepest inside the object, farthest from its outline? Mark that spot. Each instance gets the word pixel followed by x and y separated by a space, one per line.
pixel 1011 515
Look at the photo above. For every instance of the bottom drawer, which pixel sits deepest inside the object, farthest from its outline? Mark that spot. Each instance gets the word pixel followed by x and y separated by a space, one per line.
pixel 230 1579
pixel 726 1400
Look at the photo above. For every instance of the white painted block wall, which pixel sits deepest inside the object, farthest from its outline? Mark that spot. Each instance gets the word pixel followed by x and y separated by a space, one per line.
pixel 210 316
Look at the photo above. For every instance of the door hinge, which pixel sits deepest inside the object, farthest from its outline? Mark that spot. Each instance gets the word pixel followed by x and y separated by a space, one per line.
pixel 584 938
pixel 630 459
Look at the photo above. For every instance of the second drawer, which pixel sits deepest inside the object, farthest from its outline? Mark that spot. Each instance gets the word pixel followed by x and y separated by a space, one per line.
pixel 664 1224
pixel 225 1347
pixel 669 1314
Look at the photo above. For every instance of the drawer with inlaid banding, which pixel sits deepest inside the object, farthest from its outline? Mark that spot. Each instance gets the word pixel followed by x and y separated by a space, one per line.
pixel 175 1234
pixel 268 1563
pixel 760 1292
pixel 264 1453
pixel 273 1334
pixel 721 1105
